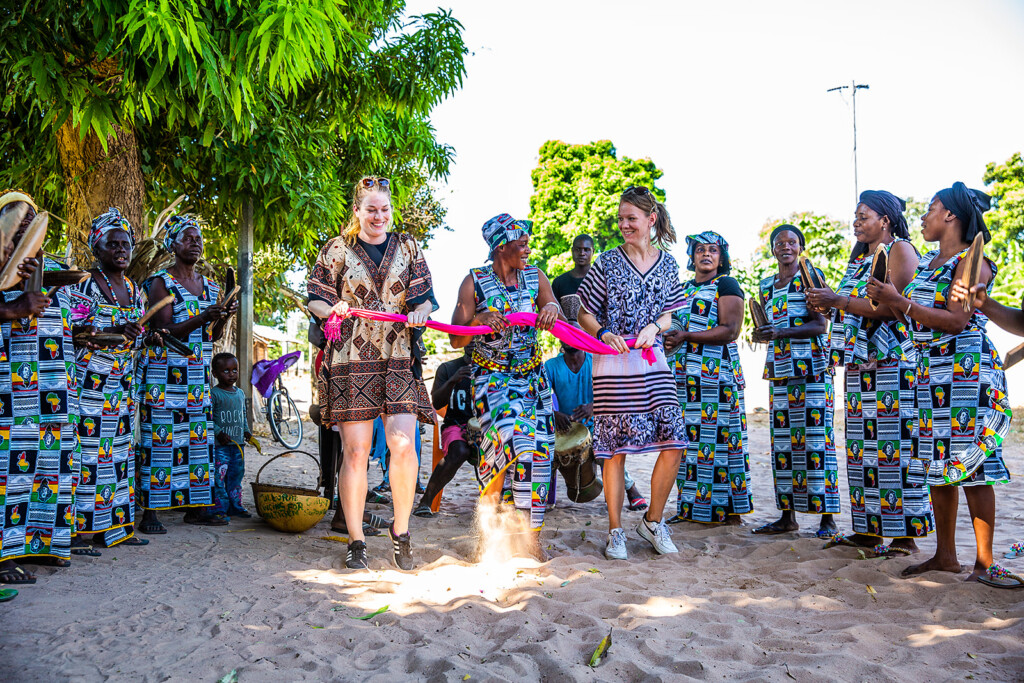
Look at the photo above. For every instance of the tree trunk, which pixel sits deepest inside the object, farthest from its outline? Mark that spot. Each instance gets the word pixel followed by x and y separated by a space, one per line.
pixel 98 179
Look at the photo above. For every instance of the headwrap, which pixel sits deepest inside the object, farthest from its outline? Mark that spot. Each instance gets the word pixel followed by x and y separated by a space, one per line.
pixel 887 204
pixel 176 225
pixel 503 229
pixel 709 237
pixel 782 228
pixel 967 205
pixel 11 196
pixel 106 222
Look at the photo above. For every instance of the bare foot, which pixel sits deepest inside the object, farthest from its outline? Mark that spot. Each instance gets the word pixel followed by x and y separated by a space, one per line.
pixel 827 526
pixel 780 526
pixel 908 544
pixel 932 565
pixel 979 570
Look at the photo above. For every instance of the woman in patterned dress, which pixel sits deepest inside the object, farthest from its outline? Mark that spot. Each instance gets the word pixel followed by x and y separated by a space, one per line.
pixel 888 496
pixel 37 454
pixel 107 302
pixel 802 397
pixel 512 393
pixel 176 406
pixel 631 292
pixel 373 371
pixel 714 478
pixel 963 410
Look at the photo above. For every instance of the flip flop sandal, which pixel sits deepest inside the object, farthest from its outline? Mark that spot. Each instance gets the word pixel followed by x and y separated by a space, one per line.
pixel 675 519
pixel 424 511
pixel 87 550
pixel 887 551
pixel 152 528
pixel 376 521
pixel 376 499
pixel 368 530
pixel 999 578
pixel 1016 550
pixel 637 504
pixel 133 541
pixel 824 533
pixel 7 594
pixel 17 577
pixel 771 529
pixel 839 539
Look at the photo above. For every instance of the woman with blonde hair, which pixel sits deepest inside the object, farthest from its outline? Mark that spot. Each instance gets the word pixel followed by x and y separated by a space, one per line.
pixel 373 369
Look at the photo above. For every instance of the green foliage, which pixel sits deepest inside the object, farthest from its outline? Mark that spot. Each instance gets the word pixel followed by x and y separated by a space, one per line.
pixel 1006 223
pixel 286 102
pixel 576 190
pixel 827 248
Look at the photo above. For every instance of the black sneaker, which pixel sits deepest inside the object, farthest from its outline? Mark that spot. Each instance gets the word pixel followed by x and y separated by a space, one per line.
pixel 403 549
pixel 356 558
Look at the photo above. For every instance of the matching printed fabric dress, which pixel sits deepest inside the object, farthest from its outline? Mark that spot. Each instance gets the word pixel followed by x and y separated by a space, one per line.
pixel 636 409
pixel 963 411
pixel 108 388
pixel 513 396
pixel 176 410
pixel 888 494
pixel 802 402
pixel 39 448
pixel 714 476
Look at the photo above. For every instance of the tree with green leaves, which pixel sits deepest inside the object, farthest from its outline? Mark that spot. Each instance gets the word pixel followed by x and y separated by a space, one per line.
pixel 283 104
pixel 827 249
pixel 1006 223
pixel 576 190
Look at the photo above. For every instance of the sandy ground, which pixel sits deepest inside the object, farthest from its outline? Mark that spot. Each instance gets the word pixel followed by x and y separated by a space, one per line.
pixel 200 602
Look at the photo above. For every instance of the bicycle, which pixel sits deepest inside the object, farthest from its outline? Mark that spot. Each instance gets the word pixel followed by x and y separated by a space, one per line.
pixel 282 413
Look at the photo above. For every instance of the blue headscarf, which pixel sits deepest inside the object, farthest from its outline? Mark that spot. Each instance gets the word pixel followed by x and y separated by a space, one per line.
pixel 176 225
pixel 709 237
pixel 968 205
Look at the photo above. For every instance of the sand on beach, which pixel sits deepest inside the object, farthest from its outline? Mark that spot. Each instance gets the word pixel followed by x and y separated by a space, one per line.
pixel 203 601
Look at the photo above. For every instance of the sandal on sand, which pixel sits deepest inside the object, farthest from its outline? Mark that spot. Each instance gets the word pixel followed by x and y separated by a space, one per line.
pixel 1016 550
pixel 825 533
pixel 772 529
pixel 424 511
pixel 133 541
pixel 637 504
pixel 1001 578
pixel 368 529
pixel 152 528
pixel 82 548
pixel 16 576
pixel 839 539
pixel 372 496
pixel 882 550
pixel 207 520
pixel 7 594
pixel 675 519
pixel 376 521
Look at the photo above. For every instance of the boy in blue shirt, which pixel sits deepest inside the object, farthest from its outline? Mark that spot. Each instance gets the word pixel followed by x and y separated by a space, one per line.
pixel 231 429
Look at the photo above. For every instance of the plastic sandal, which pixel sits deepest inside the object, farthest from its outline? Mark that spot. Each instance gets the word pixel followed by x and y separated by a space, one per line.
pixel 1016 550
pixel 17 576
pixel 7 594
pixel 637 504
pixel 997 578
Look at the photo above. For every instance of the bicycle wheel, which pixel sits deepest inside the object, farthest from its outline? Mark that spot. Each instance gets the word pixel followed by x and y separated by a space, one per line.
pixel 283 416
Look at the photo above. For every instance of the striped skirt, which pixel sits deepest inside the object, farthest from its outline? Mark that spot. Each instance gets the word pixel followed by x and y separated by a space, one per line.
pixel 803 445
pixel 635 405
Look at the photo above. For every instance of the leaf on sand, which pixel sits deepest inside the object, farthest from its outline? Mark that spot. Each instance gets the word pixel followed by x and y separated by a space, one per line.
pixel 466 677
pixel 972 656
pixel 338 539
pixel 862 555
pixel 602 647
pixel 873 593
pixel 588 524
pixel 382 610
pixel 337 608
pixel 583 535
pixel 230 677
pixel 565 583
pixel 594 570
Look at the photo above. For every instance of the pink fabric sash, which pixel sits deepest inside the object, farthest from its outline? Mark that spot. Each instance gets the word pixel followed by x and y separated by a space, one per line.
pixel 571 335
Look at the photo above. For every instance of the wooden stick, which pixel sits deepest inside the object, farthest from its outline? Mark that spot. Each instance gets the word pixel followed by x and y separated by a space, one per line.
pixel 231 295
pixel 972 273
pixel 155 308
pixel 31 242
pixel 1015 355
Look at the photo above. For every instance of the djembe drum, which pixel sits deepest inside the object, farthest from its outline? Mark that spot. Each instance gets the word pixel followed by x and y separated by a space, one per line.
pixel 574 457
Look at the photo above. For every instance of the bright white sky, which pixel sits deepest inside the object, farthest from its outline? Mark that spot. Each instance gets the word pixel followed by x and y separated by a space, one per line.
pixel 728 97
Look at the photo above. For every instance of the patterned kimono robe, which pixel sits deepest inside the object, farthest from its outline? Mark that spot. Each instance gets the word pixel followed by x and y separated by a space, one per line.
pixel 369 372
pixel 107 396
pixel 714 477
pixel 888 496
pixel 802 403
pixel 176 410
pixel 38 443
pixel 963 411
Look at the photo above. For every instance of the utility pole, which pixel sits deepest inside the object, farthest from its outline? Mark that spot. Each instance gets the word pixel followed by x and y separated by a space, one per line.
pixel 854 87
pixel 243 334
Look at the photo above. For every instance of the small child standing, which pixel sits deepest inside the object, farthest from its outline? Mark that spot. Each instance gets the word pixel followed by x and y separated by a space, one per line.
pixel 231 430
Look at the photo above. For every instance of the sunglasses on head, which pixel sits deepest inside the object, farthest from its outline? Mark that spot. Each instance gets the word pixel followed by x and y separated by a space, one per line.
pixel 382 183
pixel 636 189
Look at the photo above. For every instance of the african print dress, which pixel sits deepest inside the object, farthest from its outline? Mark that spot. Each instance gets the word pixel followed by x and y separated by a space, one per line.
pixel 107 396
pixel 888 494
pixel 512 396
pixel 963 411
pixel 370 371
pixel 802 403
pixel 177 451
pixel 635 405
pixel 38 443
pixel 714 477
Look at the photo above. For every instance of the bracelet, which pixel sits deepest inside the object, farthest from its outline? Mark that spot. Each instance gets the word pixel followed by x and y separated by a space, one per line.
pixel 846 304
pixel 551 303
pixel 906 313
pixel 600 332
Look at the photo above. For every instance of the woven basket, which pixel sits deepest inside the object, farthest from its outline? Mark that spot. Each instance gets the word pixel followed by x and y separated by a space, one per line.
pixel 291 509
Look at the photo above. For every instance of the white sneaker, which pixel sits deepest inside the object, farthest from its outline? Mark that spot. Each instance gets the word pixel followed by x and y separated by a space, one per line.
pixel 616 549
pixel 657 535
